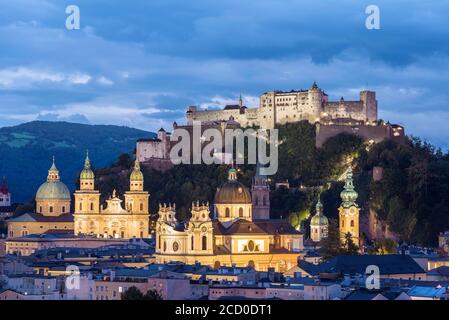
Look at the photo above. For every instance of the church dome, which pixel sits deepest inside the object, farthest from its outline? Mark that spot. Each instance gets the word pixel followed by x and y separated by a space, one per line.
pixel 319 220
pixel 232 191
pixel 53 189
pixel 136 174
pixel 87 173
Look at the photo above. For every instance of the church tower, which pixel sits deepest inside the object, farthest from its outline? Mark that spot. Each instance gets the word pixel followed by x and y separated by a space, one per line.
pixel 200 230
pixel 349 210
pixel 318 224
pixel 260 194
pixel 136 200
pixel 5 195
pixel 87 199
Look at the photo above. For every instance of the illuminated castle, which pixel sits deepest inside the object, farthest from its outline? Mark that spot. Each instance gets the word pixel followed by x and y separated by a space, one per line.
pixel 279 107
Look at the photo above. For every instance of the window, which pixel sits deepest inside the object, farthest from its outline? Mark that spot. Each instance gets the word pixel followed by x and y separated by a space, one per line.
pixel 159 242
pixel 165 246
pixel 51 209
pixel 241 212
pixel 204 243
pixel 81 206
pixel 227 213
pixel 175 246
pixel 91 206
pixel 352 223
pixel 192 246
pixel 141 207
pixel 63 209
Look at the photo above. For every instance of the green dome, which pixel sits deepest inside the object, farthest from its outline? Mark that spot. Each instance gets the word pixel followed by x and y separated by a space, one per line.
pixel 87 172
pixel 349 195
pixel 53 190
pixel 318 220
pixel 136 174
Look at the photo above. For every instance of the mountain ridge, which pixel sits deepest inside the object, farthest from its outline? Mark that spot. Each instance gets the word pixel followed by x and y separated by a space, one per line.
pixel 28 148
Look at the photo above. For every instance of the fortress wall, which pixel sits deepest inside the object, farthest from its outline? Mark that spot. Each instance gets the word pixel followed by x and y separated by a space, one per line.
pixel 376 133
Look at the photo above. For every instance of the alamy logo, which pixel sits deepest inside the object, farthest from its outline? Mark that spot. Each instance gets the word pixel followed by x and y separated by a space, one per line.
pixel 211 146
pixel 72 281
pixel 372 281
pixel 373 19
pixel 72 22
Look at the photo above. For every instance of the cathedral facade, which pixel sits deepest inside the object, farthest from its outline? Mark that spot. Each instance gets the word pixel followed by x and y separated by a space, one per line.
pixel 112 220
pixel 279 107
pixel 231 235
pixel 52 209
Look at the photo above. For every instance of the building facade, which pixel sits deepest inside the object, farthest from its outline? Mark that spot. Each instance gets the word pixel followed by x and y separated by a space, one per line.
pixel 279 107
pixel 231 237
pixel 111 221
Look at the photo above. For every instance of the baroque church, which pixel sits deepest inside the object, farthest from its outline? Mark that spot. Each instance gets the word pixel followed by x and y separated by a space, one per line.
pixel 53 209
pixel 238 232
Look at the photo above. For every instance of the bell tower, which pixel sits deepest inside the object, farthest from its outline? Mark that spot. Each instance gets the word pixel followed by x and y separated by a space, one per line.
pixel 349 210
pixel 136 200
pixel 87 199
pixel 260 194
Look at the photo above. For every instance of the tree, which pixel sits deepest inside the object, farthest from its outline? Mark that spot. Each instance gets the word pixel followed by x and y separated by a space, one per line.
pixel 349 247
pixel 133 293
pixel 152 295
pixel 330 246
pixel 386 246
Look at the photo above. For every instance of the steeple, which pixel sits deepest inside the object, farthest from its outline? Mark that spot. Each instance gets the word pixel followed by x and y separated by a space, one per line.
pixel 53 172
pixel 87 175
pixel 4 187
pixel 240 101
pixel 349 195
pixel 136 177
pixel 319 224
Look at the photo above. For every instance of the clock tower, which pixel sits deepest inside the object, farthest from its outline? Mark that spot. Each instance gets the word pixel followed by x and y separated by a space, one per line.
pixel 349 210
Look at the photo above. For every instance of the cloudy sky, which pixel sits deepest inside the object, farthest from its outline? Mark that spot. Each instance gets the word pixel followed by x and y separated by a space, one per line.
pixel 140 63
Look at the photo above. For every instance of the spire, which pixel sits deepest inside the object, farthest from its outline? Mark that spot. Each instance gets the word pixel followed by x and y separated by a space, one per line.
pixel 53 172
pixel 319 207
pixel 240 101
pixel 349 195
pixel 87 161
pixel 4 187
pixel 314 85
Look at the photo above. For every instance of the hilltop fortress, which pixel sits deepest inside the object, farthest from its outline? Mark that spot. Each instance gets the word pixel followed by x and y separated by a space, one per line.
pixel 280 107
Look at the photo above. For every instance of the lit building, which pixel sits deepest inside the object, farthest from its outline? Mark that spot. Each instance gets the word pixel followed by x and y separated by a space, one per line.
pixel 112 221
pixel 349 210
pixel 6 209
pixel 318 224
pixel 260 192
pixel 52 209
pixel 232 237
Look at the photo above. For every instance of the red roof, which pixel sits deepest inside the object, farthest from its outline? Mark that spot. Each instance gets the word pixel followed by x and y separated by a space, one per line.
pixel 4 187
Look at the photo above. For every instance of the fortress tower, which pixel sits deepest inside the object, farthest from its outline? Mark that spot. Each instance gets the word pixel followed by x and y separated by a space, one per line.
pixel 260 194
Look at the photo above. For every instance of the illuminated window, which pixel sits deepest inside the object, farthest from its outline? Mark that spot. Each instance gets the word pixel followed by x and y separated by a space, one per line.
pixel 240 212
pixel 227 213
pixel 352 223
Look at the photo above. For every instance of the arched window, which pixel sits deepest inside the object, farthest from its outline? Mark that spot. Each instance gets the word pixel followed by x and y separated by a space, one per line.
pixel 159 242
pixel 51 209
pixel 63 209
pixel 352 223
pixel 91 206
pixel 192 243
pixel 40 209
pixel 165 246
pixel 81 206
pixel 141 207
pixel 241 212
pixel 227 213
pixel 204 243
